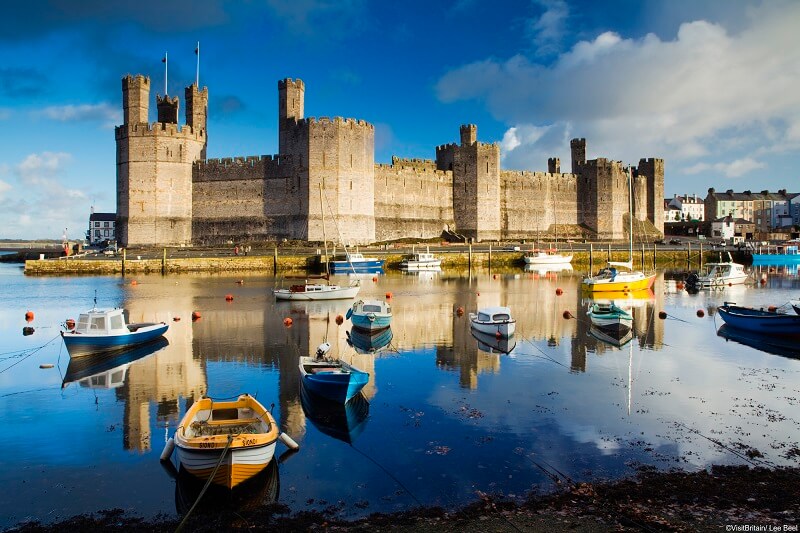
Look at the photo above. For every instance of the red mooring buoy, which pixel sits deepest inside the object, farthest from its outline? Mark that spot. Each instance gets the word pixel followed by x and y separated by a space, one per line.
pixel 559 292
pixel 339 319
pixel 287 322
pixel 701 313
pixel 196 315
pixel 662 315
pixel 29 316
pixel 229 297
pixel 566 314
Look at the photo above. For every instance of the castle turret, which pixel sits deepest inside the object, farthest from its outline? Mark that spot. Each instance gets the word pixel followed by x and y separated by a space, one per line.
pixel 197 111
pixel 167 109
pixel 154 170
pixel 578 149
pixel 469 134
pixel 554 165
pixel 653 171
pixel 135 96
pixel 476 186
pixel 291 96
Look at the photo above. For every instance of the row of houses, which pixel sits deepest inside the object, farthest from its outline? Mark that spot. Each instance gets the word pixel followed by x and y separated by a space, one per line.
pixel 747 214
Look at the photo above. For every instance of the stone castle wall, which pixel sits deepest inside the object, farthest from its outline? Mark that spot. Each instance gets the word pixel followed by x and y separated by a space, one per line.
pixel 324 183
pixel 412 199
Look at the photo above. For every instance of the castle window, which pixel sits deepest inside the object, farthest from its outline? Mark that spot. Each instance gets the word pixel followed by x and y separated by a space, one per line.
pixel 351 160
pixel 351 185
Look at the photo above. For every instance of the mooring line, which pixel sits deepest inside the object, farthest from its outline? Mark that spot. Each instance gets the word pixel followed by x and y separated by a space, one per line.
pixel 33 351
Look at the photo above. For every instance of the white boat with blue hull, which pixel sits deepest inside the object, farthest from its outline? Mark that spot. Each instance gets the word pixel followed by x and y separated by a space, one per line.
pixel 354 263
pixel 105 330
pixel 493 321
pixel 370 315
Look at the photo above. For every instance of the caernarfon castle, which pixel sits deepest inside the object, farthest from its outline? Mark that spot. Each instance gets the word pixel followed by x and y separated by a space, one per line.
pixel 169 193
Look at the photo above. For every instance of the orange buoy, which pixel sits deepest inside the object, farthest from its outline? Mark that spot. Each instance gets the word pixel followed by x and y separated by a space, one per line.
pixel 460 311
pixel 679 285
pixel 134 282
pixel 772 308
pixel 339 319
pixel 176 319
pixel 559 292
pixel 701 313
pixel 70 323
pixel 388 295
pixel 662 315
pixel 196 315
pixel 567 315
pixel 374 279
pixel 287 322
pixel 29 316
pixel 763 281
pixel 229 297
pixel 477 294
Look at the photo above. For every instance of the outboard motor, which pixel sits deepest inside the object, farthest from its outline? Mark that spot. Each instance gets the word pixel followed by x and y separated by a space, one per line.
pixel 692 283
pixel 323 349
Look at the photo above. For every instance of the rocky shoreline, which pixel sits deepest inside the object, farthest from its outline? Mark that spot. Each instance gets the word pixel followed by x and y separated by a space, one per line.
pixel 722 498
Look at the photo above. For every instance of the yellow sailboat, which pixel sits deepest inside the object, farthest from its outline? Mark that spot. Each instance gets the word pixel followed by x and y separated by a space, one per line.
pixel 610 279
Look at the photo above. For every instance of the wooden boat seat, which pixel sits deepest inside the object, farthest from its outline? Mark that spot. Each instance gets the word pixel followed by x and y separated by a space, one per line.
pixel 318 369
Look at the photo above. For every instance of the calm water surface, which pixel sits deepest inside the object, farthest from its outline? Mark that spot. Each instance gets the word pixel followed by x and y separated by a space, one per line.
pixel 443 416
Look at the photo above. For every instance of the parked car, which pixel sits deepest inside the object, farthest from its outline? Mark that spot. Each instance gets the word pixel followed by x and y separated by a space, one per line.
pixel 675 241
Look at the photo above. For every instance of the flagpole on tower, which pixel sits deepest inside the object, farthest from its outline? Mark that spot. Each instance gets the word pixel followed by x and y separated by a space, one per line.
pixel 197 76
pixel 166 65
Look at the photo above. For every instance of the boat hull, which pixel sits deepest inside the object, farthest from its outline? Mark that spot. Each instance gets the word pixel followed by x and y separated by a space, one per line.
pixel 238 466
pixel 346 267
pixel 339 293
pixel 81 344
pixel 421 265
pixel 759 321
pixel 493 344
pixel 368 324
pixel 369 341
pixel 626 284
pixel 335 381
pixel 495 328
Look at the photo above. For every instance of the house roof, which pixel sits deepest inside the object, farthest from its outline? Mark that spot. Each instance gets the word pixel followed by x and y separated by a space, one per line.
pixel 102 217
pixel 737 221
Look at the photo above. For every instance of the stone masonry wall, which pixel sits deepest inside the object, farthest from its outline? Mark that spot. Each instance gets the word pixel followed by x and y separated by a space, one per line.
pixel 538 203
pixel 412 199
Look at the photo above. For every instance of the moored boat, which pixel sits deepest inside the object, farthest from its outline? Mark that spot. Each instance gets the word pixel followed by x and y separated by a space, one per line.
pixel 331 378
pixel 546 257
pixel 795 306
pixel 420 261
pixel 493 321
pixel 243 426
pixel 760 320
pixel 353 263
pixel 610 319
pixel 492 343
pixel 787 254
pixel 105 330
pixel 317 291
pixel 718 275
pixel 370 315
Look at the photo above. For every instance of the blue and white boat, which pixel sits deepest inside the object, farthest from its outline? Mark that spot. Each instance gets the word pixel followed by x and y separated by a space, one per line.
pixel 493 321
pixel 331 378
pixel 370 315
pixel 355 263
pixel 105 330
pixel 787 254
pixel 610 319
pixel 760 320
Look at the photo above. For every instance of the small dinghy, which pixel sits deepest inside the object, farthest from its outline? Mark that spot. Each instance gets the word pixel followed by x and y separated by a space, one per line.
pixel 331 378
pixel 493 321
pixel 239 436
pixel 370 315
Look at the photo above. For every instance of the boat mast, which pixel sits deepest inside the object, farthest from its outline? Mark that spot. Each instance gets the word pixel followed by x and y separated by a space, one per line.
pixel 630 217
pixel 324 239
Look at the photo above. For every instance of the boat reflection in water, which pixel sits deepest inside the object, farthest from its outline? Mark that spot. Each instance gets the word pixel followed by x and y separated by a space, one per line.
pixel 259 491
pixel 492 343
pixel 366 342
pixel 548 269
pixel 774 344
pixel 107 370
pixel 609 337
pixel 344 422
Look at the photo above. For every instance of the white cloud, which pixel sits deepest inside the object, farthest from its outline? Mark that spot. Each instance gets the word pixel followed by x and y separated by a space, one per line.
pixel 102 112
pixel 547 31
pixel 734 169
pixel 40 205
pixel 705 92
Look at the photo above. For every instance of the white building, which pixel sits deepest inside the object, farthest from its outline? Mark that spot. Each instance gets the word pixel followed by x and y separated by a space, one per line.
pixel 690 207
pixel 101 228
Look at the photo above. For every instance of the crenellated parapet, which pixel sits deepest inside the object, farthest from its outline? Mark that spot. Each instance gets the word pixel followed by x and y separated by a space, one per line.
pixel 256 167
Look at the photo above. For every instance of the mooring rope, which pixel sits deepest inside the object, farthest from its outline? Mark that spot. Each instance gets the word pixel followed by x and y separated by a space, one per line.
pixel 31 352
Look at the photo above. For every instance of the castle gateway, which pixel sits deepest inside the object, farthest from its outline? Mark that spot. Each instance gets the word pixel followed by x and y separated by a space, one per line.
pixel 168 193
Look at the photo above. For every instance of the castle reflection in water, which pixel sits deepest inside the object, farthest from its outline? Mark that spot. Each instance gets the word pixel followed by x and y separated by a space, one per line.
pixel 251 331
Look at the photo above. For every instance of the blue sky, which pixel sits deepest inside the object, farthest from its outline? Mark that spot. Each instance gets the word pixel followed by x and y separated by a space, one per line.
pixel 711 87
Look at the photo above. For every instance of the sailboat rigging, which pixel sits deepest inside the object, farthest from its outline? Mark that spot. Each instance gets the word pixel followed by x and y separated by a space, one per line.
pixel 319 291
pixel 609 279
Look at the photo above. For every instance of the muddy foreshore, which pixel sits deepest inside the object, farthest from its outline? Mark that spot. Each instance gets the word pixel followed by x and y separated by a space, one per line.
pixel 723 498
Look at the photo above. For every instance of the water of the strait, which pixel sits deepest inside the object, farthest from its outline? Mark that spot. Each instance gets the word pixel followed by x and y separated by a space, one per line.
pixel 443 416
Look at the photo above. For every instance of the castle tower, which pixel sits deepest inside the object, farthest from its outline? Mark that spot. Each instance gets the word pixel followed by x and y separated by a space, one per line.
pixel 578 150
pixel 154 170
pixel 135 96
pixel 291 101
pixel 554 165
pixel 167 109
pixel 197 111
pixel 653 171
pixel 476 187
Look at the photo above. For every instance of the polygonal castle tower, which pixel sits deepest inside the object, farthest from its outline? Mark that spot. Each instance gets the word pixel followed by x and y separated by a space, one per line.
pixel 154 165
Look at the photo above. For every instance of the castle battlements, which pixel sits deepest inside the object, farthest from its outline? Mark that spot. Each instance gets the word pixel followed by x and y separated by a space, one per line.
pixel 159 129
pixel 297 84
pixel 353 123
